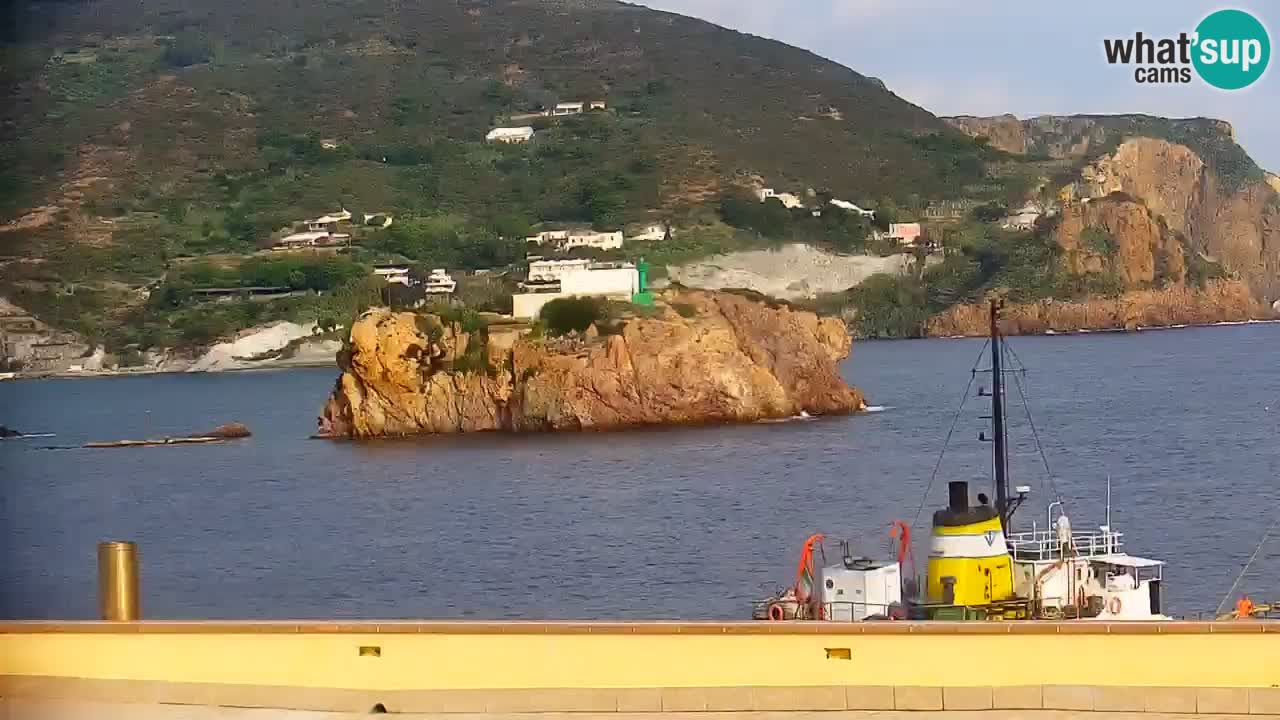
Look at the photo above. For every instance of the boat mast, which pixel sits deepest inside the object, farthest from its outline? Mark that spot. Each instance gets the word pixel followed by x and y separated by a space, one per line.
pixel 999 457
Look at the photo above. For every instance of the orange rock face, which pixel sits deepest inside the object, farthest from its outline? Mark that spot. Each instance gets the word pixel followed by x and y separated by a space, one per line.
pixel 731 360
pixel 1219 301
pixel 1144 252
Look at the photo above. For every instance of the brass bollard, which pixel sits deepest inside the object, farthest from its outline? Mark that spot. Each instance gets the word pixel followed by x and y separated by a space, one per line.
pixel 118 581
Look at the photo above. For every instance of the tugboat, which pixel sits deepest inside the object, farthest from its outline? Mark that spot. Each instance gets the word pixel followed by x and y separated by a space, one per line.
pixel 979 566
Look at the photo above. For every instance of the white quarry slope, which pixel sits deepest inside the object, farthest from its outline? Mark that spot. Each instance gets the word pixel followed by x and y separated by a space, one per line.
pixel 254 343
pixel 791 272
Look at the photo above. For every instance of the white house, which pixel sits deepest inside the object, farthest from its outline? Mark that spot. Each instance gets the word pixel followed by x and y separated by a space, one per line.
pixel 568 108
pixel 510 135
pixel 651 233
pixel 1025 218
pixel 315 238
pixel 844 205
pixel 596 105
pixel 545 271
pixel 548 236
pixel 439 282
pixel 340 216
pixel 574 278
pixel 788 200
pixel 607 279
pixel 905 233
pixel 597 240
pixel 567 239
pixel 398 274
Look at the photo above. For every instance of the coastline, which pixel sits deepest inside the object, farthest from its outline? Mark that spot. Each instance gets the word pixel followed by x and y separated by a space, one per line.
pixel 286 364
pixel 1115 330
pixel 126 372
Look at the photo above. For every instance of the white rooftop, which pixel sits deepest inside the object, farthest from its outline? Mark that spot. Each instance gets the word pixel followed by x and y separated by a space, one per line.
pixel 1126 560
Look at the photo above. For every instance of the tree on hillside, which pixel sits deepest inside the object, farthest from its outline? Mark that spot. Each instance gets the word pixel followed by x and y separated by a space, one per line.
pixel 990 212
pixel 187 49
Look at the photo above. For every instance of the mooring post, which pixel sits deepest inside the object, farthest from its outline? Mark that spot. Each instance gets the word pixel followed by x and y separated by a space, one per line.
pixel 118 581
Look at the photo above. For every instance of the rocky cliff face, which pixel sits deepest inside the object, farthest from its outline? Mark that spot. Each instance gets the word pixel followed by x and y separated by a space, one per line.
pixel 1190 173
pixel 1218 301
pixel 1235 223
pixel 1116 234
pixel 721 358
pixel 1003 132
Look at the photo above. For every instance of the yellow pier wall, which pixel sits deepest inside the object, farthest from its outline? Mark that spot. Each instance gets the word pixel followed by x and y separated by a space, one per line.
pixel 456 656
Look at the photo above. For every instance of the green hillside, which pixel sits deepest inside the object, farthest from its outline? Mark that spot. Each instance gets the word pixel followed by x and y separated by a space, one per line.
pixel 148 149
pixel 145 133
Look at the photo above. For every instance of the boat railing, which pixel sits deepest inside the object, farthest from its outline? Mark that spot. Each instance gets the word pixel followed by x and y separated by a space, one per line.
pixel 1044 545
pixel 834 611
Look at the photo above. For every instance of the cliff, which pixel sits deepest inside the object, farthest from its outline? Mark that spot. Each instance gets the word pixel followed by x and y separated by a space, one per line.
pixel 1191 173
pixel 702 357
pixel 1117 235
pixel 1231 218
pixel 1218 301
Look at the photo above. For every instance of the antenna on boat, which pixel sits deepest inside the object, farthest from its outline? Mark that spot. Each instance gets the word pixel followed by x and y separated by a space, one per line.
pixel 1000 458
pixel 1108 501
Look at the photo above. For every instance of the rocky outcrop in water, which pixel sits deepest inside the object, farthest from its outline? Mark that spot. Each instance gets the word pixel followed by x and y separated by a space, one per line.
pixel 702 357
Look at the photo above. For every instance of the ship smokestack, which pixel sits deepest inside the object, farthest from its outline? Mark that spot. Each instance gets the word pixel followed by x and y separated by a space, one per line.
pixel 958 496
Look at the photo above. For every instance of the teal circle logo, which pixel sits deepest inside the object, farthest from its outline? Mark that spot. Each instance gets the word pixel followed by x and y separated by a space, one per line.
pixel 1231 49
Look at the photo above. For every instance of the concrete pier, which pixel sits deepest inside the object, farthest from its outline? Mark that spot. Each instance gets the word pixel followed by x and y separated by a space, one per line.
pixel 70 710
pixel 668 670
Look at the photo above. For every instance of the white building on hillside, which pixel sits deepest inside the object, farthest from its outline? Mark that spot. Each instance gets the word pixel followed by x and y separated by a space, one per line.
pixel 328 220
pixel 844 205
pixel 788 200
pixel 546 236
pixel 568 239
pixel 568 108
pixel 317 238
pixel 398 274
pixel 547 271
pixel 651 233
pixel 439 282
pixel 597 240
pixel 1024 218
pixel 905 233
pixel 552 279
pixel 510 135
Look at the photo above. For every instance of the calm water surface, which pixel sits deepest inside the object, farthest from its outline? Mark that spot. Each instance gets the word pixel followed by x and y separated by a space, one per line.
pixel 685 523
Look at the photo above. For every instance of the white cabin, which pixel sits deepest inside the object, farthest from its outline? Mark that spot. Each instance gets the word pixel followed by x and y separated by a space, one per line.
pixel 1056 575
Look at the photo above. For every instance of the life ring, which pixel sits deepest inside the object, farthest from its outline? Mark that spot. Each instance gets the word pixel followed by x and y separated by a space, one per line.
pixel 776 612
pixel 1114 605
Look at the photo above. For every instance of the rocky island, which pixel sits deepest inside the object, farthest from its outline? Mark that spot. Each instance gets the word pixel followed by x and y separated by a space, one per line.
pixel 696 357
